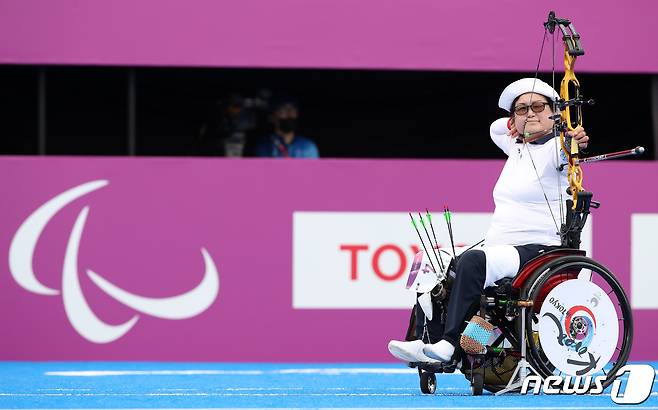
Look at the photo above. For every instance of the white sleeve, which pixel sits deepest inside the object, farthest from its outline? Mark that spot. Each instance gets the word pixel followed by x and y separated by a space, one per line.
pixel 498 132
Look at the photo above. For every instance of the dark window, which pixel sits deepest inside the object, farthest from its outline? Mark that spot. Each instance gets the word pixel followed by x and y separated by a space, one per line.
pixel 348 113
pixel 18 110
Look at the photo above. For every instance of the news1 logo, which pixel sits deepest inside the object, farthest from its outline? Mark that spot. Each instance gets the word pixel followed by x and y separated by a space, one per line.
pixel 636 388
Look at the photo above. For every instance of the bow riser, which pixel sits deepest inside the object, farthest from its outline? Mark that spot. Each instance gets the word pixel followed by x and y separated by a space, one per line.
pixel 569 123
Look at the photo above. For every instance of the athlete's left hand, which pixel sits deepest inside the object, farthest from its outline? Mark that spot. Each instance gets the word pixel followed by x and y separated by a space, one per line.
pixel 580 136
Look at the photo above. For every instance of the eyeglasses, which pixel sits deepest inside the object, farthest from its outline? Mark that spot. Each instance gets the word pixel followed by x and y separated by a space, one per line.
pixel 537 107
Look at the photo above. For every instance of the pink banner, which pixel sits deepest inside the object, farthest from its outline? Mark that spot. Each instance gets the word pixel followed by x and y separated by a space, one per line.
pixel 191 259
pixel 368 34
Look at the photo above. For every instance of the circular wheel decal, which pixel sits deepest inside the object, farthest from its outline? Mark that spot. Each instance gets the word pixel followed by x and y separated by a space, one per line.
pixel 578 327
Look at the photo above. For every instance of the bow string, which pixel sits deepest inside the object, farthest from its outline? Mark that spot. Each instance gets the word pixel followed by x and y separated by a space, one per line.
pixel 569 104
pixel 571 115
pixel 567 116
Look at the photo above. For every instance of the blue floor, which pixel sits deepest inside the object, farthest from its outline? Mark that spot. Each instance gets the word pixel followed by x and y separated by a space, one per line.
pixel 103 385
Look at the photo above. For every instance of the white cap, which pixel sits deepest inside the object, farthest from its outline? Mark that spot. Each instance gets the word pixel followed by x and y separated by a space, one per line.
pixel 522 86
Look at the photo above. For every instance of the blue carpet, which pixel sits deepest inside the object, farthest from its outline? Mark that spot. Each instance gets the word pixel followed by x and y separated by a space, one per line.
pixel 105 385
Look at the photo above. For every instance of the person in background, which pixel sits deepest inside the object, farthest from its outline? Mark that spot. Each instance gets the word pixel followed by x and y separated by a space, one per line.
pixel 285 142
pixel 232 122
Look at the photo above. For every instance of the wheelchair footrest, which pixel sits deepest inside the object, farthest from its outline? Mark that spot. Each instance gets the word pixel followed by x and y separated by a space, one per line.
pixel 448 367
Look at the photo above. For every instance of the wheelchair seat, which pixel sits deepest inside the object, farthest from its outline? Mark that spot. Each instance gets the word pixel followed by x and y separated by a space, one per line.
pixel 533 264
pixel 506 286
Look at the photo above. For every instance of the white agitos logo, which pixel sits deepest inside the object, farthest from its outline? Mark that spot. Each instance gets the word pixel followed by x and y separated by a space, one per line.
pixel 83 319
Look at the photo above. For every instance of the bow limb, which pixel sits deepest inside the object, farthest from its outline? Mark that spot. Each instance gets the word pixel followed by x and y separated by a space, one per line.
pixel 570 120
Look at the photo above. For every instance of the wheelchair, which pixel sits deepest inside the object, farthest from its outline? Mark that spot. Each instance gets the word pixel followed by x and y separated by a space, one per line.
pixel 564 314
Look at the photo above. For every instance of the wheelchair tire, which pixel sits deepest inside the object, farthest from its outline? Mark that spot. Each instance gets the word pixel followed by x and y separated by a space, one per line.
pixel 565 266
pixel 427 382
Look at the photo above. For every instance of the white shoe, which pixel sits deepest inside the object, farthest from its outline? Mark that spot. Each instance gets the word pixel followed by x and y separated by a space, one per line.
pixel 441 351
pixel 409 352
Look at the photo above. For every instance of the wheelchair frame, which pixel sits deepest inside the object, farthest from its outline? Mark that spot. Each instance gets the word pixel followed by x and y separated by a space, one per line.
pixel 510 307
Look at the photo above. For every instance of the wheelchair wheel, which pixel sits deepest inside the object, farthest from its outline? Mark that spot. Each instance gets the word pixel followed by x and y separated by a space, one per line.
pixel 427 382
pixel 582 316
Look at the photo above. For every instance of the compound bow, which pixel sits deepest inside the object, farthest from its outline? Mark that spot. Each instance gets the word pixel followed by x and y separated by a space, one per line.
pixel 568 119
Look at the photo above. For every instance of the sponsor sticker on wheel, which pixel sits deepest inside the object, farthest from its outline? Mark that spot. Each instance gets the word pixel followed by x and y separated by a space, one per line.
pixel 578 327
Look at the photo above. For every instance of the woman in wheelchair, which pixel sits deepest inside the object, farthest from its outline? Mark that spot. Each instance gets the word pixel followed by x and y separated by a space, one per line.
pixel 521 227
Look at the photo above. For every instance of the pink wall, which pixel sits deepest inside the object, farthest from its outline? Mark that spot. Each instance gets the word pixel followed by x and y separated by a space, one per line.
pixel 146 227
pixel 500 35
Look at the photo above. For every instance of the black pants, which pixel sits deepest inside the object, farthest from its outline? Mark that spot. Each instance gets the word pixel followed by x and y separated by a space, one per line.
pixel 449 322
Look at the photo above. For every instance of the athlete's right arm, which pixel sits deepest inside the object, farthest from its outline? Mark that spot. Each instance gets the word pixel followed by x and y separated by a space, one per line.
pixel 500 135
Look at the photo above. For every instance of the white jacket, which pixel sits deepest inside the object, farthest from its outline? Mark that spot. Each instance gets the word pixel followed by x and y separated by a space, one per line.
pixel 522 215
